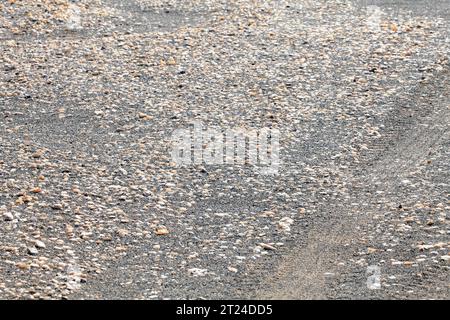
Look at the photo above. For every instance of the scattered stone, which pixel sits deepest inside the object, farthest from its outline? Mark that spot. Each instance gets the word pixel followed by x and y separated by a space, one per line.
pixel 145 116
pixel 39 244
pixel 23 266
pixel 36 190
pixel 232 269
pixel 196 272
pixel 56 206
pixel 32 251
pixel 371 250
pixel 171 61
pixel 161 231
pixel 266 246
pixel 339 93
pixel 38 154
pixel 122 233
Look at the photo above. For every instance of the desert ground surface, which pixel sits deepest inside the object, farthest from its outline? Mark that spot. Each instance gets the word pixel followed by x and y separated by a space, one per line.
pixel 92 205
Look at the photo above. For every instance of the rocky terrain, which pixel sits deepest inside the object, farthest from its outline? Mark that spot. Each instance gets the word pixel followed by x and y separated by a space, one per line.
pixel 93 207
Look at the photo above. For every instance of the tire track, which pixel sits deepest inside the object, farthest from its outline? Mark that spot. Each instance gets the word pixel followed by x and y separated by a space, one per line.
pixel 303 274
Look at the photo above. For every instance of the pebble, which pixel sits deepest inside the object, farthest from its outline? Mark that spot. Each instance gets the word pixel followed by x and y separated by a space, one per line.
pixel 161 231
pixel 285 224
pixel 8 216
pixel 197 272
pixel 23 266
pixel 88 116
pixel 266 246
pixel 232 269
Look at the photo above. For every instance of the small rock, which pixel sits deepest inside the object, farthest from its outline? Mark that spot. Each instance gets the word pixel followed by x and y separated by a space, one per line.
pixel 22 266
pixel 285 224
pixel 161 231
pixel 57 206
pixel 36 190
pixel 38 154
pixel 231 269
pixel 39 244
pixel 371 250
pixel 196 272
pixel 10 249
pixel 266 246
pixel 8 216
pixel 171 61
pixel 122 233
pixel 144 116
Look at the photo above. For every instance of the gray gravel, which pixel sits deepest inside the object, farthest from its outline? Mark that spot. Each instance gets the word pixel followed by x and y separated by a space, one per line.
pixel 92 206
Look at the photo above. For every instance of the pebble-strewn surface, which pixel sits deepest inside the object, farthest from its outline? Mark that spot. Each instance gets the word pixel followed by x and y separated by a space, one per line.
pixel 92 205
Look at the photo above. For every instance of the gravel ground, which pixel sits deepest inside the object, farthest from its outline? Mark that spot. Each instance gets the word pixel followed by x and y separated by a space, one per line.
pixel 92 206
